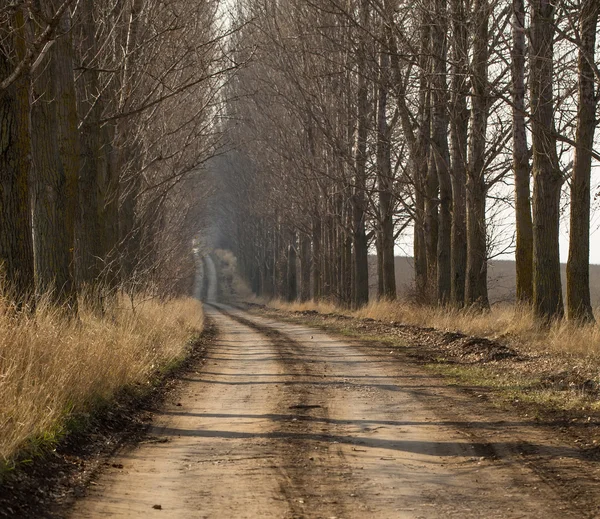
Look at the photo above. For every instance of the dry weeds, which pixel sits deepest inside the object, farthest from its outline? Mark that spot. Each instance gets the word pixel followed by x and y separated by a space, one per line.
pixel 505 323
pixel 53 368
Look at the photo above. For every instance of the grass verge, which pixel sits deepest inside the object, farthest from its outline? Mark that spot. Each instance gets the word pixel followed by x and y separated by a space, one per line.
pixel 56 372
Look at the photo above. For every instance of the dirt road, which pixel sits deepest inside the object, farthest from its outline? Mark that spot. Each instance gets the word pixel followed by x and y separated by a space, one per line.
pixel 285 421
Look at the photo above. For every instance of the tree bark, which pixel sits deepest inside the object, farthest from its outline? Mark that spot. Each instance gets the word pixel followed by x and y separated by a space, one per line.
pixel 88 243
pixel 420 247
pixel 459 123
pixel 55 189
pixel 476 293
pixel 578 267
pixel 547 292
pixel 422 175
pixel 16 246
pixel 431 225
pixel 108 202
pixel 68 130
pixel 347 259
pixel 439 134
pixel 385 185
pixel 328 273
pixel 305 267
pixel 476 286
pixel 524 224
pixel 361 261
pixel 316 258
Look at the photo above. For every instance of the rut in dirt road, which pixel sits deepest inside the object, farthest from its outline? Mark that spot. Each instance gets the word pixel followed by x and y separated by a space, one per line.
pixel 285 421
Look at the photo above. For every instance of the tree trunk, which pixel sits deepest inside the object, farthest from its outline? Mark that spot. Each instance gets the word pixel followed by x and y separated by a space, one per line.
pixel 55 191
pixel 333 253
pixel 431 225
pixel 108 203
pixel 327 256
pixel 305 267
pixel 361 261
pixel 524 246
pixel 316 258
pixel 420 247
pixel 439 134
pixel 88 243
pixel 547 292
pixel 459 122
pixel 347 261
pixel 16 247
pixel 68 131
pixel 476 293
pixel 292 269
pixel 578 267
pixel 418 142
pixel 385 183
pixel 268 270
pixel 379 258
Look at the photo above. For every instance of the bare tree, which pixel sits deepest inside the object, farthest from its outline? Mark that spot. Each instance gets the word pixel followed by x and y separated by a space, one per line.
pixel 524 226
pixel 16 248
pixel 578 269
pixel 548 179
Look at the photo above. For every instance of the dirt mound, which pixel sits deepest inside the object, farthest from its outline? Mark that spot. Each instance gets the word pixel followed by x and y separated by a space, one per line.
pixel 465 348
pixel 479 349
pixel 458 346
pixel 570 381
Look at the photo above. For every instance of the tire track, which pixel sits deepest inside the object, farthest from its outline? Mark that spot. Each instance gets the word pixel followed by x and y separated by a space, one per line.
pixel 312 459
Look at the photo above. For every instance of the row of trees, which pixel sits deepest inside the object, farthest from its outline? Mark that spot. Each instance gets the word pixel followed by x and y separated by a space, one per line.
pixel 107 112
pixel 357 120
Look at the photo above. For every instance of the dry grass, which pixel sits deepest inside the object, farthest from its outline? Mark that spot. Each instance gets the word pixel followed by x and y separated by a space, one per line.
pixel 53 368
pixel 506 323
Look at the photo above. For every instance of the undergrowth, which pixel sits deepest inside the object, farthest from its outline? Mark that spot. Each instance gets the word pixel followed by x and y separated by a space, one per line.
pixel 55 369
pixel 505 323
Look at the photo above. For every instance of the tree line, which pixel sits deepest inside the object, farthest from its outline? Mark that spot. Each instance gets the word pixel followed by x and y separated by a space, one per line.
pixel 108 110
pixel 358 120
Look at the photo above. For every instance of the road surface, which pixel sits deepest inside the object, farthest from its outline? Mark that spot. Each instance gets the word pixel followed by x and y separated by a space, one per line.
pixel 283 421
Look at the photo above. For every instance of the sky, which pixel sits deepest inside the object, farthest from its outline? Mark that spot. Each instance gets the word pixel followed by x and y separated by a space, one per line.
pixel 404 244
pixel 506 228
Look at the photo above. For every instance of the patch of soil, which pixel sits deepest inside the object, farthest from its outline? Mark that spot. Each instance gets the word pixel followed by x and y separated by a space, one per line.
pixel 457 346
pixel 569 381
pixel 44 486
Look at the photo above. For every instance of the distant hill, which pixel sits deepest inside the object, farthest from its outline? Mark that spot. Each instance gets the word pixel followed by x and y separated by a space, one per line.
pixel 501 279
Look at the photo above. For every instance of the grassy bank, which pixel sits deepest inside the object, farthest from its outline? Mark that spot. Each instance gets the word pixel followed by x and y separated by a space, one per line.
pixel 53 369
pixel 505 323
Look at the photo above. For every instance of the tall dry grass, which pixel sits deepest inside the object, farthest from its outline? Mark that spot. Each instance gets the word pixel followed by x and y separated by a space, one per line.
pixel 502 322
pixel 52 367
pixel 513 325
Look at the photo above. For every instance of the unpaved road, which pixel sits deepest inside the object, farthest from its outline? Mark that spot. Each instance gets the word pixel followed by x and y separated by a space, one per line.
pixel 284 421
